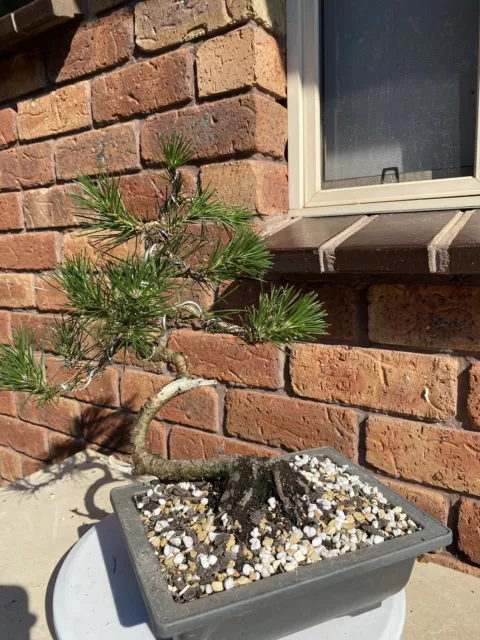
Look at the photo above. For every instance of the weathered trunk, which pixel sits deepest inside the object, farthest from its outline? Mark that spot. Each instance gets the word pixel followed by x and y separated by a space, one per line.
pixel 247 481
pixel 147 463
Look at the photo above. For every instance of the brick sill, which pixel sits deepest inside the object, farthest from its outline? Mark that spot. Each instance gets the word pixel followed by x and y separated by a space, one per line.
pixel 440 242
pixel 34 18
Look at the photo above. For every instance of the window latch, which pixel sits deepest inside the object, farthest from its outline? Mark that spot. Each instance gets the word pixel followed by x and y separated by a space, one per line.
pixel 393 170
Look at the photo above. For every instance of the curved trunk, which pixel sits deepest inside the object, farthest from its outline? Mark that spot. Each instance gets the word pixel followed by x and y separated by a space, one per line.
pixel 247 481
pixel 147 463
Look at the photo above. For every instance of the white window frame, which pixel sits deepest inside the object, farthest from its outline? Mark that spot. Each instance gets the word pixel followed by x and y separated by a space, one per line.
pixel 306 196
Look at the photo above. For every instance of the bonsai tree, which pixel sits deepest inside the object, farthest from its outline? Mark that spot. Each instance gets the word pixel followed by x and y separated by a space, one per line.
pixel 115 304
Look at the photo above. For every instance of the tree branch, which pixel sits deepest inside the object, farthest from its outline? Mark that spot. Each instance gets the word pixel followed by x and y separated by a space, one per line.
pixel 177 360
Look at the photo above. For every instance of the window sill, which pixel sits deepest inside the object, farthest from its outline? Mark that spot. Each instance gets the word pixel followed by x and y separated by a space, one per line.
pixel 440 242
pixel 34 18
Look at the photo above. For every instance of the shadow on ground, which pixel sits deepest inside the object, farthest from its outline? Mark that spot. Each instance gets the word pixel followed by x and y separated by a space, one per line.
pixel 15 613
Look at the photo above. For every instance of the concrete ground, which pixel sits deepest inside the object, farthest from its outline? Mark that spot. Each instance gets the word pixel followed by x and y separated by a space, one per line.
pixel 40 519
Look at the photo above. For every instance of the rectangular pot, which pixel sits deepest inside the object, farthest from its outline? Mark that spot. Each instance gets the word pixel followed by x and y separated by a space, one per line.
pixel 289 602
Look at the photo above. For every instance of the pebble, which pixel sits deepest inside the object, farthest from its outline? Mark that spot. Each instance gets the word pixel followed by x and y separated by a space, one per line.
pixel 344 515
pixel 228 584
pixel 187 541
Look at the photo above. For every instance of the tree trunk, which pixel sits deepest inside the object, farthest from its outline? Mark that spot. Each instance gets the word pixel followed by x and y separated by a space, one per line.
pixel 147 463
pixel 247 482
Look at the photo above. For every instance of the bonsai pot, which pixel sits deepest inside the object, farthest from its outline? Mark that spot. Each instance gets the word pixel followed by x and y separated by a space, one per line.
pixel 288 602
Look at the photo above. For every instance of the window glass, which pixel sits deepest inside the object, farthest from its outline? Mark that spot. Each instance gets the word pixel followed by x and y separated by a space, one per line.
pixel 399 90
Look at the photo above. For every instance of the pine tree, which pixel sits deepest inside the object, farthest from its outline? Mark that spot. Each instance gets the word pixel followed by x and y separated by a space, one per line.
pixel 115 304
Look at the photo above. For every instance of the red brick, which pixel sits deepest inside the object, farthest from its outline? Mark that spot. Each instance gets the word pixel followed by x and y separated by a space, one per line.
pixel 94 46
pixel 10 466
pixel 473 400
pixel 11 208
pixel 245 124
pixel 144 192
pixel 27 166
pixel 247 57
pixel 29 466
pixel 197 408
pixel 269 13
pixel 144 87
pixel 53 207
pixel 408 383
pixel 62 446
pixel 107 427
pixel 433 502
pixel 187 444
pixel 430 317
pixel 49 298
pixel 469 529
pixel 8 127
pixel 29 251
pixel 424 453
pixel 450 562
pixel 294 424
pixel 5 327
pixel 22 74
pixel 339 302
pixel 102 390
pixel 230 360
pixel 160 24
pixel 115 149
pixel 157 439
pixel 23 437
pixel 259 185
pixel 77 243
pixel 7 403
pixel 63 416
pixel 39 324
pixel 61 111
pixel 17 290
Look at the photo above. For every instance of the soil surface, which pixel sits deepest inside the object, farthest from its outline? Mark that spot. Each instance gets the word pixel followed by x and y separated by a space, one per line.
pixel 267 519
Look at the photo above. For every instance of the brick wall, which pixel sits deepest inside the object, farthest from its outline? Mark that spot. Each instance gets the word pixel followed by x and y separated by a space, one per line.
pixel 396 386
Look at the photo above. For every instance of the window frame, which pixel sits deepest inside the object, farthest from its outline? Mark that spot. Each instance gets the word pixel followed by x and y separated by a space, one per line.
pixel 306 197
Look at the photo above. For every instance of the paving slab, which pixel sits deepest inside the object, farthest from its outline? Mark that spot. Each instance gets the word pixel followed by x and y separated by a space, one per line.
pixel 43 516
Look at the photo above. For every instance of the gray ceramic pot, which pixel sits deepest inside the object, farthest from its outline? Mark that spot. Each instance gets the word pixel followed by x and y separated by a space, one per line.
pixel 285 603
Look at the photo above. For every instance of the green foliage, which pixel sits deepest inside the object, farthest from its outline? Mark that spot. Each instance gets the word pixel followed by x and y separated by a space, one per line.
pixel 205 209
pixel 21 369
pixel 244 255
pixel 176 152
pixel 284 315
pixel 100 205
pixel 121 301
pixel 115 303
pixel 70 340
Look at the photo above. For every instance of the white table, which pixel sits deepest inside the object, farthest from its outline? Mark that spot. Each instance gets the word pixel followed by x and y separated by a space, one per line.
pixel 96 596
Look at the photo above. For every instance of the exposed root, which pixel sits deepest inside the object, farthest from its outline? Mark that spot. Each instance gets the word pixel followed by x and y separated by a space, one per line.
pixel 247 482
pixel 252 482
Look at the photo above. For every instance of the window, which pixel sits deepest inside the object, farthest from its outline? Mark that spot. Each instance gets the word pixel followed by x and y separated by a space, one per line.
pixel 22 19
pixel 383 105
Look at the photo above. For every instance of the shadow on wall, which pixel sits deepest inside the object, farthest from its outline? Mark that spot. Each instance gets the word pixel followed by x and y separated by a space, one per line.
pixel 15 619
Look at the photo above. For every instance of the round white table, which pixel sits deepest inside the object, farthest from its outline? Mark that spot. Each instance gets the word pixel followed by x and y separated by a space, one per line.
pixel 96 596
